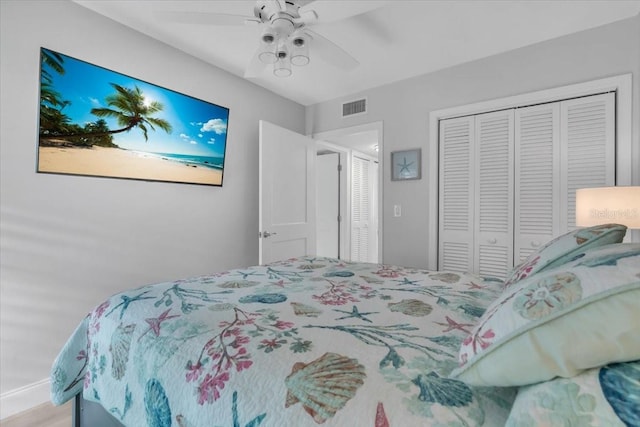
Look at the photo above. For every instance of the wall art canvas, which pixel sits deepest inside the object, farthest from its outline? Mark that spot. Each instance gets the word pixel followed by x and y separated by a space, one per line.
pixel 97 122
pixel 405 165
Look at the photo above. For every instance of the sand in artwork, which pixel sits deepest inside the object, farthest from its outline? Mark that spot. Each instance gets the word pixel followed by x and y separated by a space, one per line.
pixel 116 162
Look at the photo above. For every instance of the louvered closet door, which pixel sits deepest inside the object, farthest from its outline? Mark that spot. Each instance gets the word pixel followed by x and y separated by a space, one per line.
pixel 508 179
pixel 360 209
pixel 456 190
pixel 493 224
pixel 537 173
pixel 587 149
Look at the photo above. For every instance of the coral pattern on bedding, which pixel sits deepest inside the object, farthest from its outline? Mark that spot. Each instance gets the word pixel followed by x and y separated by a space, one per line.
pixel 301 342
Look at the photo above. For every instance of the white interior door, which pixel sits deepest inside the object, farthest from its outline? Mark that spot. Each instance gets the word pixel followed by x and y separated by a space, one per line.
pixel 328 204
pixel 287 192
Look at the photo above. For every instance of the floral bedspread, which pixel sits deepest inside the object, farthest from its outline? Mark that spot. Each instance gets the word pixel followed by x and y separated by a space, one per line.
pixel 301 342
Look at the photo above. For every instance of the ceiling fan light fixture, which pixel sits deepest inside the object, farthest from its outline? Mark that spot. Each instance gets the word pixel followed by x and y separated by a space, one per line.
pixel 268 38
pixel 268 45
pixel 282 68
pixel 268 56
pixel 299 50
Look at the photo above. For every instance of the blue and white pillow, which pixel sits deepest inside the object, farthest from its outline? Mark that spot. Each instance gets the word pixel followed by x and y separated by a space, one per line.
pixel 605 396
pixel 559 322
pixel 563 248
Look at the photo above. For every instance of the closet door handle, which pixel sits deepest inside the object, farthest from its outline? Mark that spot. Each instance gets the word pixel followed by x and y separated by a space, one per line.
pixel 535 243
pixel 493 241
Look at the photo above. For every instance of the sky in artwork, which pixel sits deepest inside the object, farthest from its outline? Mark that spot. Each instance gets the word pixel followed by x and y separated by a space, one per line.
pixel 198 127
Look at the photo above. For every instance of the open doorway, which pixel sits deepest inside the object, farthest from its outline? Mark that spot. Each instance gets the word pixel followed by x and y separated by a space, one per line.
pixel 349 193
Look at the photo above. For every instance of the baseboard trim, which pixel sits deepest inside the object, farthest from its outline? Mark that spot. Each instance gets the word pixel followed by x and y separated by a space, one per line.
pixel 24 398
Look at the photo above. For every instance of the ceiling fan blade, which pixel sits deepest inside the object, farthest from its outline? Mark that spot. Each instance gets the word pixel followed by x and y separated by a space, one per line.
pixel 303 3
pixel 331 52
pixel 308 17
pixel 204 18
pixel 329 11
pixel 255 67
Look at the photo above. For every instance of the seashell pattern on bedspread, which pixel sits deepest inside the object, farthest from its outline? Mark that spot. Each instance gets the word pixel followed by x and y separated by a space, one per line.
pixel 324 385
pixel 301 342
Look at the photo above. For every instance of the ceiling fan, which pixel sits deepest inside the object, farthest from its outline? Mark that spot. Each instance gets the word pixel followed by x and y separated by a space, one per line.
pixel 285 37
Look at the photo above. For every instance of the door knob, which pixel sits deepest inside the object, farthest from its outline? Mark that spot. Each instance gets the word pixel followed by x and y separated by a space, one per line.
pixel 266 234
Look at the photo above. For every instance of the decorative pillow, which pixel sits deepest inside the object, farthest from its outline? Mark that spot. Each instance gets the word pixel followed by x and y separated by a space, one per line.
pixel 607 396
pixel 583 314
pixel 562 249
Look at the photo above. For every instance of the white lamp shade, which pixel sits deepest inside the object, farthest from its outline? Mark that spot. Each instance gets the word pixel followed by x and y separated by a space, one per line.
pixel 604 205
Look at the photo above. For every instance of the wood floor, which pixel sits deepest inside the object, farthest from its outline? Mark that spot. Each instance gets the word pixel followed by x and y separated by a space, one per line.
pixel 45 415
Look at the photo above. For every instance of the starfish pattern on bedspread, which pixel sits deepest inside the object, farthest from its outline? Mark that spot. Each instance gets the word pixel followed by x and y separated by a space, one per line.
pixel 204 345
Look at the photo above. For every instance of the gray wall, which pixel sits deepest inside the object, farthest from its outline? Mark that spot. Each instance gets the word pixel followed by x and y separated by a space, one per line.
pixel 68 242
pixel 405 106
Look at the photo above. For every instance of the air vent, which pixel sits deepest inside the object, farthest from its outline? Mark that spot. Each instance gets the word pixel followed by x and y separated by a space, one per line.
pixel 354 107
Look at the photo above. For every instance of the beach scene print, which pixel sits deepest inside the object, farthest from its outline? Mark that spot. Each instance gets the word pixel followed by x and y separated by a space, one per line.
pixel 97 122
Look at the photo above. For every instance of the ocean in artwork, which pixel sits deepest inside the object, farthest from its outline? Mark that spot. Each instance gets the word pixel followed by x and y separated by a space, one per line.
pixel 188 159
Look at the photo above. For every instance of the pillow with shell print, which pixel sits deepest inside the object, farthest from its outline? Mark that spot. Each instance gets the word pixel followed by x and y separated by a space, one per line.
pixel 603 396
pixel 563 248
pixel 559 322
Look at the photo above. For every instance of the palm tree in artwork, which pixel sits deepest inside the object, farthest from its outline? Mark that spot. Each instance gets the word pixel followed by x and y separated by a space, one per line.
pixel 53 60
pixel 129 107
pixel 52 119
pixel 131 110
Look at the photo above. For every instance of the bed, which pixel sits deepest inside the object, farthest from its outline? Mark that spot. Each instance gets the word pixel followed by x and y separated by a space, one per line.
pixel 315 340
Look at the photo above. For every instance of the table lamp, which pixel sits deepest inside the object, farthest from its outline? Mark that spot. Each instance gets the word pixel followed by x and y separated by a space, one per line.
pixel 604 205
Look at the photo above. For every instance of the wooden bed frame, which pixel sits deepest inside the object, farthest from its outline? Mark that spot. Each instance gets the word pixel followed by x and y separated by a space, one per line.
pixel 91 414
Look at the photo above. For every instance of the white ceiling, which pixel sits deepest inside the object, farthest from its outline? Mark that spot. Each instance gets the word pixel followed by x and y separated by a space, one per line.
pixel 392 40
pixel 365 142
